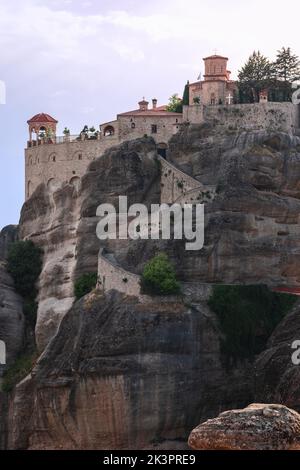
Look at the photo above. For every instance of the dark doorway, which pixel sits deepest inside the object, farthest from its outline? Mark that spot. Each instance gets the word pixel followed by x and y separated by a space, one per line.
pixel 162 150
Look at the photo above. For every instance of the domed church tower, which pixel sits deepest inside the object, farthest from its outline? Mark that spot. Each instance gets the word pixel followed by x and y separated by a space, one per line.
pixel 42 125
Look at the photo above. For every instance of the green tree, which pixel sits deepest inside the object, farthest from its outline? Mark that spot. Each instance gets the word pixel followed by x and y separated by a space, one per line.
pixel 159 277
pixel 256 75
pixel 287 69
pixel 247 316
pixel 24 265
pixel 175 104
pixel 287 65
pixel 85 284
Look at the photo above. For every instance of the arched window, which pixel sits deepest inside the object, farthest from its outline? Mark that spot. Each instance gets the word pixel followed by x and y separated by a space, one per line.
pixel 80 156
pixel 132 125
pixel 212 99
pixel 109 130
pixel 52 157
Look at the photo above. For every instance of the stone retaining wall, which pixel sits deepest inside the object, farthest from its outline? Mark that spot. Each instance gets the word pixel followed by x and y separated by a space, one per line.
pixel 111 276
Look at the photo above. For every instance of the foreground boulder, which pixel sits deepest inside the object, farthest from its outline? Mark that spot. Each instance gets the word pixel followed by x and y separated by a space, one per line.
pixel 257 427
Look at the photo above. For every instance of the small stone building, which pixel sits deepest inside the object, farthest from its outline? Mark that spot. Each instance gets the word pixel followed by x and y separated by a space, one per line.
pixel 156 122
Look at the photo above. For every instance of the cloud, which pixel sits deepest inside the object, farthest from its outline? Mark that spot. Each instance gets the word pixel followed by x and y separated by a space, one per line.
pixel 33 31
pixel 129 53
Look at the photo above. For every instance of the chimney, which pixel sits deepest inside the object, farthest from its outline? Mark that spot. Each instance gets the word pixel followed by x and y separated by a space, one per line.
pixel 143 105
pixel 154 103
pixel 263 96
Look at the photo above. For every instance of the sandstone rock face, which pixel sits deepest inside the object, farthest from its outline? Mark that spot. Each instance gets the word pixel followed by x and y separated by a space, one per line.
pixel 121 374
pixel 252 225
pixel 125 375
pixel 12 324
pixel 257 427
pixel 63 224
pixel 277 377
pixel 3 420
pixel 12 332
pixel 11 307
pixel 11 316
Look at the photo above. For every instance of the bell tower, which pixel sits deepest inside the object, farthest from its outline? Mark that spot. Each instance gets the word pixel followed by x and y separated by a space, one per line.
pixel 42 125
pixel 216 68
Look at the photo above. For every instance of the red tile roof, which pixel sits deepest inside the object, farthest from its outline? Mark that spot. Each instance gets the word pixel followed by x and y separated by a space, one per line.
pixel 288 290
pixel 214 56
pixel 42 117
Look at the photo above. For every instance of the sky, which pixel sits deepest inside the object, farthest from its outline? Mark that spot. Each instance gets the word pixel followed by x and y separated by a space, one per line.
pixel 85 61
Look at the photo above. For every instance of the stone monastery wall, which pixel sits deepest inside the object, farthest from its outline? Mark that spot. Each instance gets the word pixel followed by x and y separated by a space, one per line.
pixel 62 162
pixel 271 116
pixel 111 276
pixel 174 182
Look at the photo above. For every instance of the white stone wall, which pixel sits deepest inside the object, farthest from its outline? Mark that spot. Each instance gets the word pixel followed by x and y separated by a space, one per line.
pixel 258 116
pixel 193 114
pixel 111 277
pixel 174 182
pixel 57 163
pixel 133 127
pixel 61 162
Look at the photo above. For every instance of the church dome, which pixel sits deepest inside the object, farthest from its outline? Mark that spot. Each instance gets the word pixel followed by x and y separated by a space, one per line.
pixel 42 117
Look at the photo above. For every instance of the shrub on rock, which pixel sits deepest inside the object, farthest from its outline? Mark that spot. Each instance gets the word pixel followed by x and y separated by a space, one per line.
pixel 159 277
pixel 85 284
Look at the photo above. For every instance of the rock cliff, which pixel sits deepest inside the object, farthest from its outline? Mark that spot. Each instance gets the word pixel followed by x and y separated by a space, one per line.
pixel 12 323
pixel 126 375
pixel 277 377
pixel 63 224
pixel 252 223
pixel 117 373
